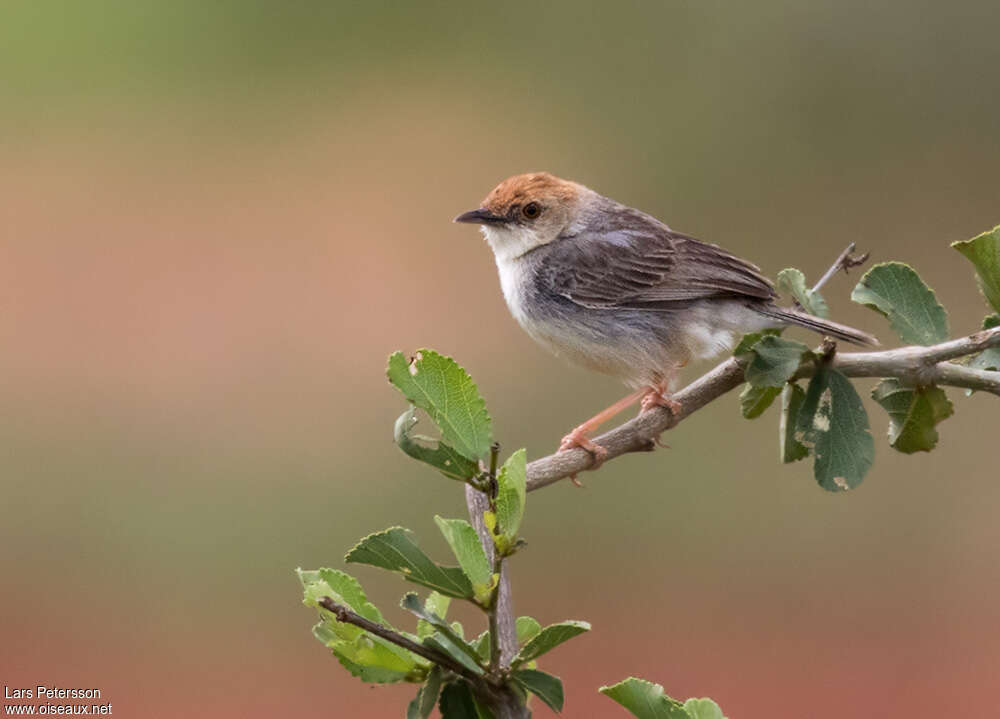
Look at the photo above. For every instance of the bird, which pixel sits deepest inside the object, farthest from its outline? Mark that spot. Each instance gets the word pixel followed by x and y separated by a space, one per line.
pixel 612 289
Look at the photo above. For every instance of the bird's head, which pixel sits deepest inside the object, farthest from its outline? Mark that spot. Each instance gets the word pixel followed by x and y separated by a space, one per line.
pixel 527 211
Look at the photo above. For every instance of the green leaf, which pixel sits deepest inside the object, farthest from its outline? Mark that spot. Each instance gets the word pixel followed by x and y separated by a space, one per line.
pixel 527 629
pixel 754 401
pixel 442 388
pixel 896 291
pixel 544 686
pixel 381 653
pixel 703 709
pixel 445 637
pixel 456 649
pixel 425 701
pixel 548 639
pixel 774 361
pixel 435 604
pixel 511 496
pixel 364 655
pixel 344 589
pixel 747 342
pixel 913 414
pixel 469 552
pixel 793 282
pixel 395 550
pixel 833 422
pixel 366 673
pixel 438 455
pixel 645 699
pixel 458 702
pixel 791 401
pixel 983 251
pixel 482 646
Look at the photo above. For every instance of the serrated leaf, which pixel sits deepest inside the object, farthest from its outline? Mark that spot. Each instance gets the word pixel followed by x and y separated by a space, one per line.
pixel 793 282
pixel 703 709
pixel 363 654
pixel 328 637
pixel 395 550
pixel 455 649
pixel 527 629
pixel 544 686
pixel 548 639
pixel 511 496
pixel 645 699
pixel 774 361
pixel 482 646
pixel 459 702
pixel 368 674
pixel 444 637
pixel 436 604
pixel 425 701
pixel 791 401
pixel 445 391
pixel 469 552
pixel 913 414
pixel 747 342
pixel 345 589
pixel 896 291
pixel 833 423
pixel 437 454
pixel 983 251
pixel 754 401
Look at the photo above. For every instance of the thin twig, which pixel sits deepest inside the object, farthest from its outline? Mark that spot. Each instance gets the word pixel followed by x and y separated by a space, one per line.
pixel 844 262
pixel 345 615
pixel 496 660
pixel 503 631
pixel 917 366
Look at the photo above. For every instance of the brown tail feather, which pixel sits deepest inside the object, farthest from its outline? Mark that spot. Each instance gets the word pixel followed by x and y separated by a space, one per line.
pixel 817 324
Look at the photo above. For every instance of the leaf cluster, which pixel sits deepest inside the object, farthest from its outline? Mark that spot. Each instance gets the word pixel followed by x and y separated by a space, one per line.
pixel 827 419
pixel 455 673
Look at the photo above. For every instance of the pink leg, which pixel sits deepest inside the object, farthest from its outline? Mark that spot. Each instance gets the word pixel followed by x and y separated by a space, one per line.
pixel 578 437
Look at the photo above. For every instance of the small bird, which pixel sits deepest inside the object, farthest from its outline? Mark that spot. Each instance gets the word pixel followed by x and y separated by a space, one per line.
pixel 615 290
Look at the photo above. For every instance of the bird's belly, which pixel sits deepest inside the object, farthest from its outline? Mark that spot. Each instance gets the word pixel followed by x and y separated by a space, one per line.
pixel 637 355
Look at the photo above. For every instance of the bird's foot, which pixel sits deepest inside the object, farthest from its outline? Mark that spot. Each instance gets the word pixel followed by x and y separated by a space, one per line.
pixel 578 438
pixel 656 398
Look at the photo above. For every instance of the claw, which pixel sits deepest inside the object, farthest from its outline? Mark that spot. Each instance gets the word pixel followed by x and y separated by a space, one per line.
pixel 655 398
pixel 579 438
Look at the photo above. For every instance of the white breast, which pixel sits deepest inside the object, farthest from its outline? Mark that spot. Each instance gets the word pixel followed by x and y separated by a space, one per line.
pixel 507 250
pixel 511 285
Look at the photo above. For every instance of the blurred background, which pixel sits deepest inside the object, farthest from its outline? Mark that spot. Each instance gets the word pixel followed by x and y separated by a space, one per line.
pixel 218 219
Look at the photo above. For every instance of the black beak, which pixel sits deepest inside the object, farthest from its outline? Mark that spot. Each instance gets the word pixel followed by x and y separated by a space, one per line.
pixel 481 216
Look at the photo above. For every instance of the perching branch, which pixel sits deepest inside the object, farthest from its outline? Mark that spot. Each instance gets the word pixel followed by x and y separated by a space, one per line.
pixel 913 366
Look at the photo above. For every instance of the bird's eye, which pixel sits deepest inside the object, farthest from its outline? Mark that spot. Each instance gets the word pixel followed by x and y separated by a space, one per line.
pixel 531 210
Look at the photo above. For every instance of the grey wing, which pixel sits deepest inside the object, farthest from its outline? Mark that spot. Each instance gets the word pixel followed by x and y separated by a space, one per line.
pixel 643 264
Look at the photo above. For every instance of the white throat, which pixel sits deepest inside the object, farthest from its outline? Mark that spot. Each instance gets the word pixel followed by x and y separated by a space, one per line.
pixel 509 245
pixel 510 242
